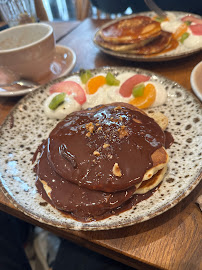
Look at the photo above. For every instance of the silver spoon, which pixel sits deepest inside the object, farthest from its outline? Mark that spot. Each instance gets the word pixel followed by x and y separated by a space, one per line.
pixel 22 82
pixel 153 6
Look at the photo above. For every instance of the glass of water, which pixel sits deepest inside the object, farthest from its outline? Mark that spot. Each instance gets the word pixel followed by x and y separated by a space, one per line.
pixel 15 12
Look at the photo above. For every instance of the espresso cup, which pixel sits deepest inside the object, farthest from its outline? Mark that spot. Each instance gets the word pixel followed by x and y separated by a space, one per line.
pixel 28 50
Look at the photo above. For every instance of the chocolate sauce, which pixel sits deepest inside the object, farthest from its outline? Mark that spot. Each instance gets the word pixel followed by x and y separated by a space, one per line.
pixel 130 136
pixel 70 197
pixel 169 140
pixel 92 160
pixel 39 150
pixel 84 216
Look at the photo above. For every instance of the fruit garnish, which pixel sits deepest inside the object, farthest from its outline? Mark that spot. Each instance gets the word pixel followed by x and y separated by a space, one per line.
pixel 138 90
pixel 180 31
pixel 56 101
pixel 188 23
pixel 147 99
pixel 183 37
pixel 127 87
pixel 160 19
pixel 191 18
pixel 85 75
pixel 94 83
pixel 111 80
pixel 196 29
pixel 70 88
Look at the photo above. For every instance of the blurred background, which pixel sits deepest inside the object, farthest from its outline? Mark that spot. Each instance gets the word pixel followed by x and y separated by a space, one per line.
pixel 80 9
pixel 65 10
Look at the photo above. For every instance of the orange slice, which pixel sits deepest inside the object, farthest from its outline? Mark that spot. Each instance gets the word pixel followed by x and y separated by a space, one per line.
pixel 147 99
pixel 94 83
pixel 180 31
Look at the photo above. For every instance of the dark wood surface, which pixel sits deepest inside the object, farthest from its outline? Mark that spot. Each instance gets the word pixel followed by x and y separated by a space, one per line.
pixel 169 241
pixel 61 29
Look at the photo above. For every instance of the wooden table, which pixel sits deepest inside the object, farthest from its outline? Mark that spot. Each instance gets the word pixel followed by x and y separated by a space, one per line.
pixel 169 241
pixel 61 29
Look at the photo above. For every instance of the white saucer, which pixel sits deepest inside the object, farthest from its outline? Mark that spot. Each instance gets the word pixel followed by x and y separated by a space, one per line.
pixel 196 80
pixel 63 63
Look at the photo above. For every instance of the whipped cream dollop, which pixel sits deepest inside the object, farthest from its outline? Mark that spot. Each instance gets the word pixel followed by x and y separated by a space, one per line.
pixel 104 95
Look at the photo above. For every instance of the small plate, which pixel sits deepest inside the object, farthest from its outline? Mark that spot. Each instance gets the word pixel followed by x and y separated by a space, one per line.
pixel 64 61
pixel 27 126
pixel 196 80
pixel 179 52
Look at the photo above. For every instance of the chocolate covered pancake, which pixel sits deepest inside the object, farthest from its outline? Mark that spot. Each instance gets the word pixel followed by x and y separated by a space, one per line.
pixel 95 161
pixel 160 159
pixel 153 182
pixel 85 204
pixel 131 30
pixel 107 148
pixel 70 197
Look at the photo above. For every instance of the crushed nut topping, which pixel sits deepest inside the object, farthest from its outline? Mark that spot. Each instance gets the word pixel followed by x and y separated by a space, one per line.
pixel 122 132
pixel 89 219
pixel 97 124
pixel 112 118
pixel 96 153
pixel 105 145
pixel 116 170
pixel 100 128
pixel 121 118
pixel 88 134
pixel 137 121
pixel 90 127
pixel 117 108
pixel 110 156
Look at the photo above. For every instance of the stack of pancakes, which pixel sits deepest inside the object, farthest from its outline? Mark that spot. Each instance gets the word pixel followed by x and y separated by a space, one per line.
pixel 136 35
pixel 97 161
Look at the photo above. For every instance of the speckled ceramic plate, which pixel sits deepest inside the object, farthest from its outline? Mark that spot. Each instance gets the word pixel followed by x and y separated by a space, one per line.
pixel 179 52
pixel 27 125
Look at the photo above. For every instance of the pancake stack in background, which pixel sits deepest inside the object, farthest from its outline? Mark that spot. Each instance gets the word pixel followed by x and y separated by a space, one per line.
pixel 101 161
pixel 137 35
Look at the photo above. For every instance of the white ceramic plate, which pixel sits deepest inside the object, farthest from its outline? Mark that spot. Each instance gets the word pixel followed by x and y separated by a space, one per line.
pixel 27 125
pixel 179 52
pixel 64 61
